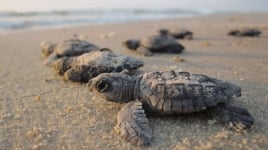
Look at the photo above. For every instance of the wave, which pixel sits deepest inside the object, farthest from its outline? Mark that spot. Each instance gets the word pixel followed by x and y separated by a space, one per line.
pixel 18 20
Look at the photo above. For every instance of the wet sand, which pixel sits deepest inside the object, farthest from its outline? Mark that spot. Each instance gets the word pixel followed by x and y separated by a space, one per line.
pixel 39 110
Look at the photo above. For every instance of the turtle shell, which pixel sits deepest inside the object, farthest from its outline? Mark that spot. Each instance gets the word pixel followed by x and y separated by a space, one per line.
pixel 158 42
pixel 172 92
pixel 98 58
pixel 74 47
pixel 182 34
pixel 108 59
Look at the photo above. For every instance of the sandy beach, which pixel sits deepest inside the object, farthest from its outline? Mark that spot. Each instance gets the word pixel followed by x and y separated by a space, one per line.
pixel 39 110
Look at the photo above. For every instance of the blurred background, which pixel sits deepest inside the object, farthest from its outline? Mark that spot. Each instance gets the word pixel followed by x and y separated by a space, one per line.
pixel 25 14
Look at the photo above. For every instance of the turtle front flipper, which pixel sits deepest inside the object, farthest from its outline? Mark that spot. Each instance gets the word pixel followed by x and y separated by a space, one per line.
pixel 235 117
pixel 132 124
pixel 144 51
pixel 50 59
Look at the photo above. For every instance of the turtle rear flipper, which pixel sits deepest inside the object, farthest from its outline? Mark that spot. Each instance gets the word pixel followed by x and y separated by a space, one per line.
pixel 62 64
pixel 144 51
pixel 50 59
pixel 235 117
pixel 133 125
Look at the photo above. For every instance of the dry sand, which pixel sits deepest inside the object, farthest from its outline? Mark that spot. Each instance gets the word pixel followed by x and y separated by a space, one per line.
pixel 38 110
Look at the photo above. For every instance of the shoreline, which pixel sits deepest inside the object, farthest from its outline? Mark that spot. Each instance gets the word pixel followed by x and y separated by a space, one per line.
pixel 82 25
pixel 39 110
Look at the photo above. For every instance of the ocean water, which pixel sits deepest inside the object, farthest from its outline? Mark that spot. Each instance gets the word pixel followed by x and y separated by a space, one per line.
pixel 10 20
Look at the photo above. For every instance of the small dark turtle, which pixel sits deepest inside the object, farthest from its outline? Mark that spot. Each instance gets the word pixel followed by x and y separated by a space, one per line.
pixel 71 47
pixel 84 67
pixel 178 33
pixel 248 32
pixel 168 92
pixel 161 43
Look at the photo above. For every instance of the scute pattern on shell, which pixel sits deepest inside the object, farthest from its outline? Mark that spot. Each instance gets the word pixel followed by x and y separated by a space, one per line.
pixel 181 92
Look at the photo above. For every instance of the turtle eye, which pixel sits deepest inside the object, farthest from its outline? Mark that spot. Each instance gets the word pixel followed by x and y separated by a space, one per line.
pixel 102 86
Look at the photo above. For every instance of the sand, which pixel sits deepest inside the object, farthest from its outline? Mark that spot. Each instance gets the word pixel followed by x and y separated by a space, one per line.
pixel 39 110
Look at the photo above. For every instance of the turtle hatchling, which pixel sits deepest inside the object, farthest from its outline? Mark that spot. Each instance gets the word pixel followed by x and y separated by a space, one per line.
pixel 161 43
pixel 165 93
pixel 178 33
pixel 249 32
pixel 71 47
pixel 86 66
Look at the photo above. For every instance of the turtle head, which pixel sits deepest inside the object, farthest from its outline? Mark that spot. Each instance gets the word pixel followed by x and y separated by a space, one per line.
pixel 131 44
pixel 61 65
pixel 163 32
pixel 233 33
pixel 47 48
pixel 115 87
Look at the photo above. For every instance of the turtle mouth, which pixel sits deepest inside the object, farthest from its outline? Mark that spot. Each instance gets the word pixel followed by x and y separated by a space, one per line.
pixel 102 86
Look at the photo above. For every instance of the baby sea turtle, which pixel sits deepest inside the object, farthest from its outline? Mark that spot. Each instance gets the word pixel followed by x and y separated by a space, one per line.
pixel 71 47
pixel 161 43
pixel 249 32
pixel 86 66
pixel 178 33
pixel 165 93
